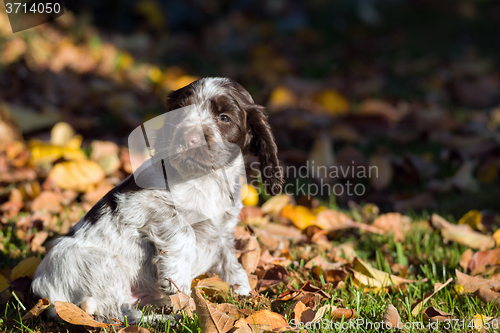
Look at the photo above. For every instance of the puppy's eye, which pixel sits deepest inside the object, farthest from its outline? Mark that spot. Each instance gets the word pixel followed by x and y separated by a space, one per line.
pixel 224 118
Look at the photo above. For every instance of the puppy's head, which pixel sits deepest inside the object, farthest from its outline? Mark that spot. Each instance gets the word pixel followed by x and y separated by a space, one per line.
pixel 221 114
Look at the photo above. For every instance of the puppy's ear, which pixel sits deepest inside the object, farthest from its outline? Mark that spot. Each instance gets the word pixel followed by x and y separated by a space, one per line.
pixel 179 98
pixel 261 143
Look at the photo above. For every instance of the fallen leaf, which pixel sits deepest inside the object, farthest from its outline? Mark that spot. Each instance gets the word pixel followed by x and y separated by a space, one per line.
pixel 301 216
pixel 46 200
pixel 473 218
pixel 374 107
pixel 39 307
pixel 281 97
pixel 213 285
pixel 321 262
pixel 79 176
pixel 4 289
pixel 72 314
pixel 480 287
pixel 465 258
pixel 434 315
pixel 396 223
pixel 276 204
pixel 61 133
pixel 462 234
pixel 38 240
pixel 211 320
pixel 26 267
pixel 265 317
pixel 418 305
pixel 183 302
pixel 330 220
pixel 391 317
pixel 251 255
pixel 332 101
pixel 481 259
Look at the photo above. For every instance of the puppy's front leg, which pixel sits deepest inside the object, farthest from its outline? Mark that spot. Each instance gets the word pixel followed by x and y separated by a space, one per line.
pixel 231 271
pixel 175 256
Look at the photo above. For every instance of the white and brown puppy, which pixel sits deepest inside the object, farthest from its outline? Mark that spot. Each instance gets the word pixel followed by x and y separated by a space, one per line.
pixel 132 243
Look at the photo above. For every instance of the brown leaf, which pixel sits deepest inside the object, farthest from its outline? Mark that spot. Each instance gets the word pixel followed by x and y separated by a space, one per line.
pixel 321 262
pixel 434 315
pixel 393 222
pixel 251 255
pixel 298 309
pixel 481 259
pixel 72 314
pixel 35 311
pixel 211 320
pixel 465 258
pixel 462 234
pixel 183 302
pixel 329 219
pixel 134 329
pixel 480 287
pixel 47 200
pixel 266 317
pixel 213 285
pixel 391 317
pixel 38 240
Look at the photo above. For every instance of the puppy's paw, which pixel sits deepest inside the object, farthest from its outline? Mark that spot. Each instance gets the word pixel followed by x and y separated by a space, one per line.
pixel 243 290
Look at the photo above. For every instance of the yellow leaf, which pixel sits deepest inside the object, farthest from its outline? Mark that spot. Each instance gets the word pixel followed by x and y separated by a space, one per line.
pixel 43 153
pixel 155 74
pixel 249 195
pixel 385 279
pixel 496 236
pixel 276 204
pixel 282 97
pixel 124 61
pixel 26 267
pixel 301 216
pixel 479 320
pixel 179 82
pixel 332 101
pixel 473 219
pixel 80 176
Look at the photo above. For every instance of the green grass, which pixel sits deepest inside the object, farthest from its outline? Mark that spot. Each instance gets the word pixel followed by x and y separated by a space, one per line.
pixel 423 250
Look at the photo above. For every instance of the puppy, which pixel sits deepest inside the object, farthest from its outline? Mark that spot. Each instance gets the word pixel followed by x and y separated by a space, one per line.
pixel 137 245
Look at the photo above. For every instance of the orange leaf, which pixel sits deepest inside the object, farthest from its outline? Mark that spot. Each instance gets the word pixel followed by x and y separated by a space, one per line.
pixel 39 307
pixel 72 314
pixel 266 317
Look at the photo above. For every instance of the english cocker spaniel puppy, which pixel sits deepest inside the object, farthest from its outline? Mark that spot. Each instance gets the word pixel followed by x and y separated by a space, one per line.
pixel 140 242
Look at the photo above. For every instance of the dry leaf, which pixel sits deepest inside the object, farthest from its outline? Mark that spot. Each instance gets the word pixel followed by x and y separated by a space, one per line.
pixel 79 176
pixel 72 314
pixel 396 223
pixel 418 305
pixel 374 107
pixel 332 101
pixel 480 287
pixel 465 258
pixel 214 285
pixel 321 262
pixel 276 204
pixel 462 234
pixel 330 220
pixel 434 315
pixel 301 216
pixel 183 302
pixel 26 267
pixel 211 320
pixel 481 259
pixel 391 317
pixel 47 200
pixel 38 240
pixel 61 133
pixel 39 307
pixel 266 317
pixel 251 255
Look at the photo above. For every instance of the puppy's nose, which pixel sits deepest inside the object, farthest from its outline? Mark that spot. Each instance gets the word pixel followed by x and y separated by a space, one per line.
pixel 191 140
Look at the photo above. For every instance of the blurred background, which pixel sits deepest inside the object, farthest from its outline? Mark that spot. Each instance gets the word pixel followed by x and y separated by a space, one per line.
pixel 409 86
